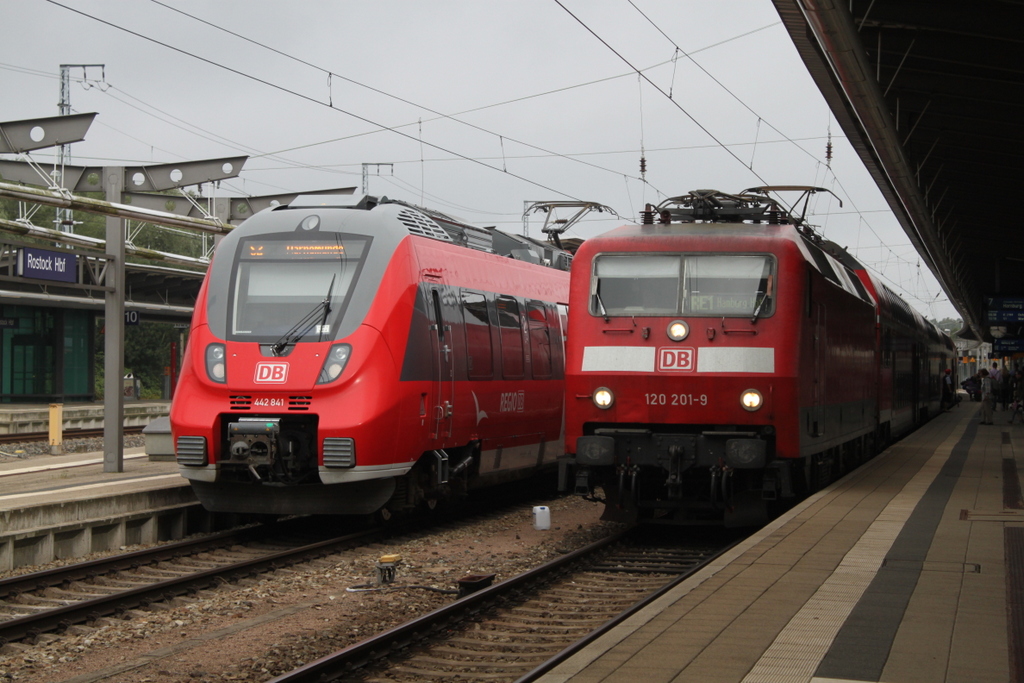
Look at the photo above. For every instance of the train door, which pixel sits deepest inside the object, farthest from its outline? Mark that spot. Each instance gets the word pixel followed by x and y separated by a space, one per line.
pixel 443 362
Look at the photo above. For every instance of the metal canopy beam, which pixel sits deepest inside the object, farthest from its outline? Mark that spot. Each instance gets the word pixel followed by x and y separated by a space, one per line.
pixel 59 199
pixel 154 178
pixel 18 137
pixel 241 207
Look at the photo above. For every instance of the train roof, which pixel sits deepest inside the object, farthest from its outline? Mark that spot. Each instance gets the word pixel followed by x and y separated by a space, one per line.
pixel 439 226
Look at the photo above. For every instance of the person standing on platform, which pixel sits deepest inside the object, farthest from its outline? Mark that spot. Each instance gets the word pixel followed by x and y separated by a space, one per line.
pixel 948 395
pixel 997 384
pixel 988 399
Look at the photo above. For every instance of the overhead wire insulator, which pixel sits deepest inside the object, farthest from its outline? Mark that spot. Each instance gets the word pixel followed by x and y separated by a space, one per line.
pixel 647 215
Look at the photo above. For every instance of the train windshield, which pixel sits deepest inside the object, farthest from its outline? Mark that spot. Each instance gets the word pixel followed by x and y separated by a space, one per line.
pixel 682 284
pixel 278 282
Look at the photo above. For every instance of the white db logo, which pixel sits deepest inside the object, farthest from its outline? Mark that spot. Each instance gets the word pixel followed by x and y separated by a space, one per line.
pixel 675 359
pixel 271 373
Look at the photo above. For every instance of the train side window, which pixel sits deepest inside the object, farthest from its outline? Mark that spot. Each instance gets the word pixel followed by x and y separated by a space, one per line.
pixel 540 339
pixel 510 325
pixel 478 335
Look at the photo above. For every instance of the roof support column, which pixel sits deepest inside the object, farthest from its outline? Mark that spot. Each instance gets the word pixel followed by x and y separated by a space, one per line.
pixel 113 339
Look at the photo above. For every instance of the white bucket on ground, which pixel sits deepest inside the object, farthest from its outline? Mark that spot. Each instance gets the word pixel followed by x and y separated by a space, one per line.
pixel 541 517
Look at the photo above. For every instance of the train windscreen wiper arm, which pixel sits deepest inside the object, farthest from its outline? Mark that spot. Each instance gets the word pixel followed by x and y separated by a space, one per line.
pixel 301 328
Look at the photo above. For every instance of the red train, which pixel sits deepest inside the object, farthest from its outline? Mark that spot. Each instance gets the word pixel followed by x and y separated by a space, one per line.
pixel 354 355
pixel 721 356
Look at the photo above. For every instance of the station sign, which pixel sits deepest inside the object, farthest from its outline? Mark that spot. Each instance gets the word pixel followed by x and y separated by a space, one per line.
pixel 44 264
pixel 1000 346
pixel 131 318
pixel 8 322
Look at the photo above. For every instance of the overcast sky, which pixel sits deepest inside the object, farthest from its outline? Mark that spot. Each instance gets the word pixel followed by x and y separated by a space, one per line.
pixel 469 107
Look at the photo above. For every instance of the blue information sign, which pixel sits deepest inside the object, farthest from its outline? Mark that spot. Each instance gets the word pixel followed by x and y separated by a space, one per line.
pixel 43 264
pixel 1008 345
pixel 1005 303
pixel 1005 316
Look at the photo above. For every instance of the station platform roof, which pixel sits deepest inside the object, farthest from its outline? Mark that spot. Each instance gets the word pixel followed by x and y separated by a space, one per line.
pixel 930 94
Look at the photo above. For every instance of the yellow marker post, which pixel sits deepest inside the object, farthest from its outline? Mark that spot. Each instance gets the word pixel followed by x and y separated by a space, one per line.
pixel 56 429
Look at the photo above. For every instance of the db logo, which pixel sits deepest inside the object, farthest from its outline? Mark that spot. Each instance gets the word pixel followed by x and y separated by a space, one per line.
pixel 271 373
pixel 675 359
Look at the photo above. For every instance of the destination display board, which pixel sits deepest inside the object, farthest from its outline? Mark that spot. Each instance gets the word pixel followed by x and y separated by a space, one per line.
pixel 1003 346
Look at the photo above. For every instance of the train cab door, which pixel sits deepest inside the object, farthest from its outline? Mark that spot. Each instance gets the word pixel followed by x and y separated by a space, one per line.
pixel 444 378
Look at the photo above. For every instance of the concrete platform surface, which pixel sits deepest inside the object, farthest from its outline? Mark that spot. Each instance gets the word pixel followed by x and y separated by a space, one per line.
pixel 909 569
pixel 26 418
pixel 57 507
pixel 79 476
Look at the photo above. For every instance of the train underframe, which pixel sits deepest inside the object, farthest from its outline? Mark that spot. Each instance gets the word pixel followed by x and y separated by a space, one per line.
pixel 270 465
pixel 719 475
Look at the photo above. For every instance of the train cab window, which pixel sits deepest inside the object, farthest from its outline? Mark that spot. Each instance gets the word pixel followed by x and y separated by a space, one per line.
pixel 540 339
pixel 635 284
pixel 510 325
pixel 279 282
pixel 684 284
pixel 478 335
pixel 728 285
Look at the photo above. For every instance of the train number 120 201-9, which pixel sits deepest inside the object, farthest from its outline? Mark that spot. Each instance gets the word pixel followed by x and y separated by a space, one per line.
pixel 677 399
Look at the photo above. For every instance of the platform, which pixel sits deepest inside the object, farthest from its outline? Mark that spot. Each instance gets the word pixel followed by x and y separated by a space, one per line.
pixel 55 507
pixel 26 418
pixel 909 569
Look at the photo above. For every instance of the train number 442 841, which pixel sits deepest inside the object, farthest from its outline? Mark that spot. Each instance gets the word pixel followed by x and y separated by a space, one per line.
pixel 262 402
pixel 676 399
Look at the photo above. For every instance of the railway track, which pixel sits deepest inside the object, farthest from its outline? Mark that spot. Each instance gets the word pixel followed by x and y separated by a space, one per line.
pixel 69 435
pixel 518 629
pixel 56 599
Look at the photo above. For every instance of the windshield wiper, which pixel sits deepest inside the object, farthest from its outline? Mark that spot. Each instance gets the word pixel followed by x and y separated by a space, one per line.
pixel 597 298
pixel 301 328
pixel 760 305
pixel 764 299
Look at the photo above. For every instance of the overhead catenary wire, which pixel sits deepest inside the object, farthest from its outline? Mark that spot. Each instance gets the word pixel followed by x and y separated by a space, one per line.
pixel 307 98
pixel 656 87
pixel 379 91
pixel 752 111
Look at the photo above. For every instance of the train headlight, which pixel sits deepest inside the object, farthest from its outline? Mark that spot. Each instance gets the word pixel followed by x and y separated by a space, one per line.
pixel 751 400
pixel 677 330
pixel 604 398
pixel 334 364
pixel 216 363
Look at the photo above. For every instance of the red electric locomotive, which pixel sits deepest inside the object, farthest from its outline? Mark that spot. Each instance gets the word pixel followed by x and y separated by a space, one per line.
pixel 720 357
pixel 354 355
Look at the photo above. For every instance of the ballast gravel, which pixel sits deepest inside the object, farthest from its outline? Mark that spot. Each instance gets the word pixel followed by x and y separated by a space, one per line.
pixel 260 628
